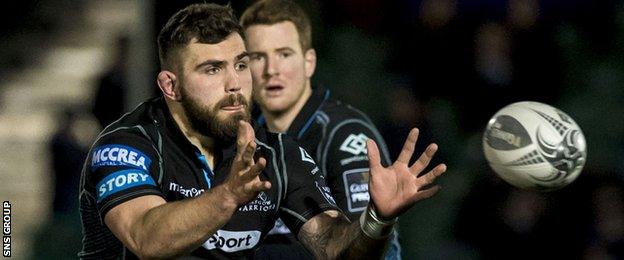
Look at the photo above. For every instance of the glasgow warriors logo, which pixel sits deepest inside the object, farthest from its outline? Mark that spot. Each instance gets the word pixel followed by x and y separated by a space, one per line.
pixel 355 144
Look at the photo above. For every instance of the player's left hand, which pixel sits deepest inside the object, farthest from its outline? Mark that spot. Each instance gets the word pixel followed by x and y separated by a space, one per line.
pixel 396 188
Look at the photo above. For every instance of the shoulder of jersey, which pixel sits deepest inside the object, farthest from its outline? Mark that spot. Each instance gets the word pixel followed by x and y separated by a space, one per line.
pixel 338 111
pixel 138 116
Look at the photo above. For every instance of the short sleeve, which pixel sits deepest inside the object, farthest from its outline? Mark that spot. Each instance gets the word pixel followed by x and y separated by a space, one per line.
pixel 307 193
pixel 345 162
pixel 121 166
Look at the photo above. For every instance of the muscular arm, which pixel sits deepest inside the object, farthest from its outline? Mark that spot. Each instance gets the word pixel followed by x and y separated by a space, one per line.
pixel 153 228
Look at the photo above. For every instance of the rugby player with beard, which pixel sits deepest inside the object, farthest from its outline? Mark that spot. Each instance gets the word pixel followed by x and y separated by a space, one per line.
pixel 179 175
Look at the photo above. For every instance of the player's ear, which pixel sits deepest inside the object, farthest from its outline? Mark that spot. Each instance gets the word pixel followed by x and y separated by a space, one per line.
pixel 310 62
pixel 169 85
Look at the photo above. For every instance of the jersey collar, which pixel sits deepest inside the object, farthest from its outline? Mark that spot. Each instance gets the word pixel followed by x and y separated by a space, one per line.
pixel 305 118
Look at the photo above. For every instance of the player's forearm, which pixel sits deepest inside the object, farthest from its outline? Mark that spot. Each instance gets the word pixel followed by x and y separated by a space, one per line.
pixel 348 242
pixel 338 238
pixel 177 228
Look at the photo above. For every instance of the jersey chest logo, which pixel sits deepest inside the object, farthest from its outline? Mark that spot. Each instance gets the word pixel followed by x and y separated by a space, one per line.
pixel 355 144
pixel 262 203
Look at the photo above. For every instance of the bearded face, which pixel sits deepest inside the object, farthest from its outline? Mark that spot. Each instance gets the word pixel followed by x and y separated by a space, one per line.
pixel 212 121
pixel 215 86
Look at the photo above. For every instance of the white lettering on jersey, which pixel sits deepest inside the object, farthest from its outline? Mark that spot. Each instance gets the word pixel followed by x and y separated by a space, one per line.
pixel 115 155
pixel 356 189
pixel 359 192
pixel 262 203
pixel 122 180
pixel 185 191
pixel 232 241
pixel 326 192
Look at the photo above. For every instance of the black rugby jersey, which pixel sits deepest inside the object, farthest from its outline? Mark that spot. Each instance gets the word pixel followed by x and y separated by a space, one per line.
pixel 145 153
pixel 335 135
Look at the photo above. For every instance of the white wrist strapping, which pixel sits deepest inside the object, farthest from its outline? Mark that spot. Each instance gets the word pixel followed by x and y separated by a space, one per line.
pixel 373 226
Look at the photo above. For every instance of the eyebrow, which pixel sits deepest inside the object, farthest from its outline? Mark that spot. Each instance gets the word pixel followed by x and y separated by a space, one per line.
pixel 220 63
pixel 243 55
pixel 285 49
pixel 278 49
pixel 213 63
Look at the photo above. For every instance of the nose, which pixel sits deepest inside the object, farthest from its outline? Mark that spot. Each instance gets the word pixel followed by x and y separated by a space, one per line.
pixel 232 83
pixel 270 67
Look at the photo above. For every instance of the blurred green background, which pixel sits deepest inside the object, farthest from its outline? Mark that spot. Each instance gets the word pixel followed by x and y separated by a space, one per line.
pixel 445 66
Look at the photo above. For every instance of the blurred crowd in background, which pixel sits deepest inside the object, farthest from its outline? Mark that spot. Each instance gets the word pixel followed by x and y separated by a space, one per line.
pixel 444 66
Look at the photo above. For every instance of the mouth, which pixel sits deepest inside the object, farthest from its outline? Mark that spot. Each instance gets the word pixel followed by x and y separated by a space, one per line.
pixel 274 90
pixel 237 107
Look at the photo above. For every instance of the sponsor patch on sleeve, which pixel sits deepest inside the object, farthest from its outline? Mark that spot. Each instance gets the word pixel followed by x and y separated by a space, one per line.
pixel 120 181
pixel 119 155
pixel 356 187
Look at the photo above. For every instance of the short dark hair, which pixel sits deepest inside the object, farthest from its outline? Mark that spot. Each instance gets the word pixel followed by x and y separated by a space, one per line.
pixel 270 12
pixel 208 23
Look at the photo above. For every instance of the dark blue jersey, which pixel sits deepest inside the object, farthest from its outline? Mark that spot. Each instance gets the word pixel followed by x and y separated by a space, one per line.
pixel 145 153
pixel 335 136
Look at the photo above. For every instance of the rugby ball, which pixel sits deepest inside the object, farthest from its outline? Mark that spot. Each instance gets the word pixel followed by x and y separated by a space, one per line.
pixel 532 145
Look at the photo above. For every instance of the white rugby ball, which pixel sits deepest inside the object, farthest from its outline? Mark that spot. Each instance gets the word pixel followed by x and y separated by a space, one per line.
pixel 532 145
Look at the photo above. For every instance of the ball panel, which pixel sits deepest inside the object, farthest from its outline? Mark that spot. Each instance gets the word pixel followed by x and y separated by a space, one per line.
pixel 514 176
pixel 525 177
pixel 505 133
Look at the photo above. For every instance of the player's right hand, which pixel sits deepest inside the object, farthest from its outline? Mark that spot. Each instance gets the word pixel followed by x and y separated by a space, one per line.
pixel 244 182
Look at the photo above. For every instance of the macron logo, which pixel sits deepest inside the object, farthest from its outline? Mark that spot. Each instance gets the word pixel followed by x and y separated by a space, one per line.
pixel 122 180
pixel 116 155
pixel 305 156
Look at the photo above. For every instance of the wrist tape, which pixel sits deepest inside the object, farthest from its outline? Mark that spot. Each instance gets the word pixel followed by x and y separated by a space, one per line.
pixel 373 226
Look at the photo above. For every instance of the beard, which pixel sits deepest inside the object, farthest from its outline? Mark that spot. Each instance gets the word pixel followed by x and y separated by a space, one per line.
pixel 206 121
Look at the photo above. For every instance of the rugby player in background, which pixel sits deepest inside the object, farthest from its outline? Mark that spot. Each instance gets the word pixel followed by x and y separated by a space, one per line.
pixel 282 62
pixel 186 173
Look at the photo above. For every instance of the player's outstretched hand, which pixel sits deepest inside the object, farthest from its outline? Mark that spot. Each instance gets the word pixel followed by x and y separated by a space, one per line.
pixel 396 188
pixel 244 181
